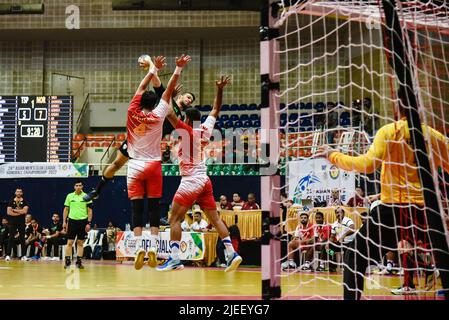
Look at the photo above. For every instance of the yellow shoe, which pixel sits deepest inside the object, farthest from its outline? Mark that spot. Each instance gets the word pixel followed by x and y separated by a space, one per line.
pixel 139 259
pixel 152 257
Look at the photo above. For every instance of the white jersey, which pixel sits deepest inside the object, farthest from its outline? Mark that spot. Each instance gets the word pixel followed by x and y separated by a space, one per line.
pixel 145 130
pixel 339 229
pixel 191 149
pixel 201 225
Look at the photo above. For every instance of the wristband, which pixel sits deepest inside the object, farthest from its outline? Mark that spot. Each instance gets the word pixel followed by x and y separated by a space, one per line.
pixel 154 70
pixel 178 70
pixel 89 222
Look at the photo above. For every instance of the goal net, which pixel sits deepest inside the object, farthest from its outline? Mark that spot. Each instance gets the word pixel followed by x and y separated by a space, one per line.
pixel 340 76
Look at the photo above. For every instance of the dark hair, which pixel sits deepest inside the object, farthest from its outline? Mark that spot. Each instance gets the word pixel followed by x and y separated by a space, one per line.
pixel 304 214
pixel 252 194
pixel 193 114
pixel 319 213
pixel 193 96
pixel 149 100
pixel 78 181
pixel 339 209
pixel 237 193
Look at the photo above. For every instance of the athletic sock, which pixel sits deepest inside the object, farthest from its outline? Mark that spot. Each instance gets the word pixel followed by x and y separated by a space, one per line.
pixel 228 246
pixel 174 246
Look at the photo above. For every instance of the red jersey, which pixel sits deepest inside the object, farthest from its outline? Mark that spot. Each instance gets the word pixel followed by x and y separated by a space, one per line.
pixel 191 149
pixel 250 206
pixel 304 232
pixel 322 232
pixel 145 130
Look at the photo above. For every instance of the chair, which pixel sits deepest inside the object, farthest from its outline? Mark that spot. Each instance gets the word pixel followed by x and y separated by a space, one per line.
pixel 203 118
pixel 293 117
pixel 238 124
pixel 254 117
pixel 244 117
pixel 105 144
pixel 78 137
pixel 234 117
pixel 207 108
pixel 224 117
pixel 225 107
pixel 320 106
pixel 292 106
pixel 121 137
pixel 95 144
pixel 243 107
pixel 247 124
pixel 256 124
pixel 252 107
pixel 234 107
pixel 75 145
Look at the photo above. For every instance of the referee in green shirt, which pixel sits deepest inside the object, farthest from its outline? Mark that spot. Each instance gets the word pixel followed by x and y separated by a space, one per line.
pixel 77 221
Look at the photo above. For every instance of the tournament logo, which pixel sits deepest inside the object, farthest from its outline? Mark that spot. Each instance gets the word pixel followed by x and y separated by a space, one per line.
pixel 183 246
pixel 129 244
pixel 334 172
pixel 303 184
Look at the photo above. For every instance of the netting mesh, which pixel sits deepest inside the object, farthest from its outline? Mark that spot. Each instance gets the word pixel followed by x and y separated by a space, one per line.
pixel 338 89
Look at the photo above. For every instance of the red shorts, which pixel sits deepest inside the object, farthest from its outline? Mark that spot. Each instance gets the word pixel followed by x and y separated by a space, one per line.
pixel 195 188
pixel 144 178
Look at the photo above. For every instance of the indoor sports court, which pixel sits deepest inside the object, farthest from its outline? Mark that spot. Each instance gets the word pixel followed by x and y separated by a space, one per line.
pixel 224 150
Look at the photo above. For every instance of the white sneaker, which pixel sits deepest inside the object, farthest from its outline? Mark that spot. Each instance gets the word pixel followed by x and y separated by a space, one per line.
pixel 7 258
pixel 55 259
pixel 24 258
pixel 152 257
pixel 288 265
pixel 403 291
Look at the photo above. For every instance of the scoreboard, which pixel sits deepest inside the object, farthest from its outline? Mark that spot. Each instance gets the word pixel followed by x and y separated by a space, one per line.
pixel 35 128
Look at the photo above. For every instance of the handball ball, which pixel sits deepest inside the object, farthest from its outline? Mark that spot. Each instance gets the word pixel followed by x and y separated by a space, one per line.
pixel 144 62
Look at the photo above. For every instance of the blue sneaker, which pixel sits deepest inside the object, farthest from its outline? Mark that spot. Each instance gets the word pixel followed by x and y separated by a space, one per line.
pixel 234 262
pixel 171 265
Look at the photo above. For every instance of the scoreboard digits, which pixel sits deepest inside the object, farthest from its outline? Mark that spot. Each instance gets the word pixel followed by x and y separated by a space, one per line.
pixel 35 128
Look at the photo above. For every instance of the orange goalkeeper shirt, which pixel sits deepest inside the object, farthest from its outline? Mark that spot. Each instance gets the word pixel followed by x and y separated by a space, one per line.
pixel 392 149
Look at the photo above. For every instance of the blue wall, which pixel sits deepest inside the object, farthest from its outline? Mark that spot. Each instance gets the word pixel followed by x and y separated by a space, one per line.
pixel 47 195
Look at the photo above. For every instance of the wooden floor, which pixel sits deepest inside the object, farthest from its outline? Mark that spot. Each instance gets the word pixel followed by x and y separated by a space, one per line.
pixel 111 280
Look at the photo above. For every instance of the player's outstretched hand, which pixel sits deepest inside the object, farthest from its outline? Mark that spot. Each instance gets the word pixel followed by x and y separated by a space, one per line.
pixel 181 62
pixel 323 152
pixel 223 81
pixel 177 90
pixel 159 62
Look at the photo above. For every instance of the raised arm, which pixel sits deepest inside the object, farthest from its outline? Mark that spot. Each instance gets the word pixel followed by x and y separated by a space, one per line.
pixel 220 84
pixel 180 63
pixel 159 63
pixel 365 163
pixel 171 116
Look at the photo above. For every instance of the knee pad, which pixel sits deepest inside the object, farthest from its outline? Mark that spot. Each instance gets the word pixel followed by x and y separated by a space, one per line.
pixel 137 213
pixel 154 209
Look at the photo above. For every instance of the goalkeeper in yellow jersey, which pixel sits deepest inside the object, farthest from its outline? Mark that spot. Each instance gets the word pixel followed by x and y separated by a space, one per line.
pixel 399 222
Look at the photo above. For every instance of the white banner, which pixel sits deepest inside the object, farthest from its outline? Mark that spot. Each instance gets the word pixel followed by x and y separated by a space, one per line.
pixel 43 170
pixel 315 178
pixel 192 246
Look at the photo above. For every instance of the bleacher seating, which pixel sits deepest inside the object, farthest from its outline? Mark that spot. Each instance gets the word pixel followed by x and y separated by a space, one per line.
pixel 295 118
